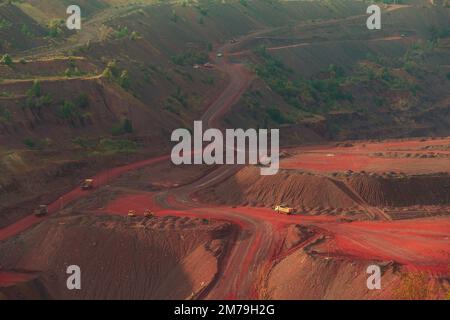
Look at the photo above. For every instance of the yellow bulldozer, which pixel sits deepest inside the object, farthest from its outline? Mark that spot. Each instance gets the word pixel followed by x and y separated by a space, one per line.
pixel 283 209
pixel 87 184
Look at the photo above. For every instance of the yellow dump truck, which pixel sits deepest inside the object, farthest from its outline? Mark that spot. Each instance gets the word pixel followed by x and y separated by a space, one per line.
pixel 148 213
pixel 87 184
pixel 284 209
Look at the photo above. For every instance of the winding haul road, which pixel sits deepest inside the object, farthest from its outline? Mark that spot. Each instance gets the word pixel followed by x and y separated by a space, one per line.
pixel 259 240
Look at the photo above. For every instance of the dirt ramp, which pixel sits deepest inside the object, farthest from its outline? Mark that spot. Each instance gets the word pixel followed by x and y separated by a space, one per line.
pixel 294 188
pixel 120 257
pixel 403 191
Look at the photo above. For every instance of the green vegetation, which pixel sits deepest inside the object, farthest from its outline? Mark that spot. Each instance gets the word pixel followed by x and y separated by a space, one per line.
pixel 5 115
pixel 190 57
pixel 275 115
pixel 55 27
pixel 68 111
pixel 308 95
pixel 125 127
pixel 124 80
pixel 39 144
pixel 26 31
pixel 82 101
pixel 437 33
pixel 5 24
pixel 110 146
pixel 72 70
pixel 370 73
pixel 180 101
pixel 35 99
pixel 29 143
pixel 72 110
pixel 105 146
pixel 6 60
pixel 122 32
pixel 112 72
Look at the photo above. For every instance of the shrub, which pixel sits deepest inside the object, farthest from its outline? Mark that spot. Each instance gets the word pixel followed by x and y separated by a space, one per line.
pixel 35 90
pixel 5 115
pixel 29 143
pixel 124 80
pixel 117 146
pixel 275 115
pixel 55 27
pixel 190 57
pixel 122 32
pixel 68 110
pixel 6 60
pixel 125 127
pixel 82 101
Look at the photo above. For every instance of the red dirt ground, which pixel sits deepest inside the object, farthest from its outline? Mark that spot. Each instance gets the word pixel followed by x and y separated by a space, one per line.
pixel 362 156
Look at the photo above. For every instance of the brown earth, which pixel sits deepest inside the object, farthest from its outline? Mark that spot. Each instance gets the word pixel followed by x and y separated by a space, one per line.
pixel 158 258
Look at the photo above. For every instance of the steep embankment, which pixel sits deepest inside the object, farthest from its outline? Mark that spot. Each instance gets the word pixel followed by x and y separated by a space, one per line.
pixel 320 278
pixel 298 189
pixel 402 191
pixel 62 109
pixel 157 258
pixel 18 31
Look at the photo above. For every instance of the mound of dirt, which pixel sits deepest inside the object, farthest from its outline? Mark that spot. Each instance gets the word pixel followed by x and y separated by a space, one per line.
pixel 318 278
pixel 121 258
pixel 288 187
pixel 16 286
pixel 402 191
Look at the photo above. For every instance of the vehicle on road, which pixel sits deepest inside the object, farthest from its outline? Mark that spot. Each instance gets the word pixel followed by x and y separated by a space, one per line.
pixel 41 211
pixel 87 184
pixel 148 213
pixel 283 209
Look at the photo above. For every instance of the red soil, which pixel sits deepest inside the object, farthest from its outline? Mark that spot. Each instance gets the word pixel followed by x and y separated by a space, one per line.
pixel 362 156
pixel 11 278
pixel 100 180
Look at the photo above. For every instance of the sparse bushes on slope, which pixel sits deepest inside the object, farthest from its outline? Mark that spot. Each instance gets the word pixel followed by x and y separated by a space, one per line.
pixel 190 57
pixel 125 127
pixel 110 146
pixel 111 73
pixel 316 95
pixel 55 27
pixel 73 71
pixel 5 115
pixel 35 99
